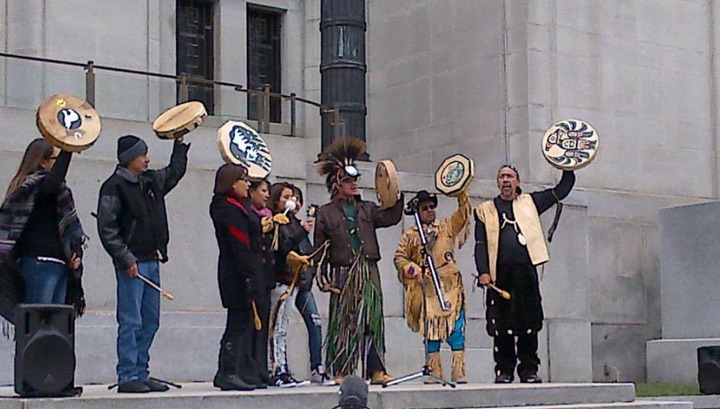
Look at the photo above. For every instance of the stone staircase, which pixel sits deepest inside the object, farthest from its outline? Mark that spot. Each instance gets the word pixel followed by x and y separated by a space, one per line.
pixel 404 396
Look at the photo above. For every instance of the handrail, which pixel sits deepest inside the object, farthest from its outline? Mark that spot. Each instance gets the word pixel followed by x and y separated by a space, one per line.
pixel 182 81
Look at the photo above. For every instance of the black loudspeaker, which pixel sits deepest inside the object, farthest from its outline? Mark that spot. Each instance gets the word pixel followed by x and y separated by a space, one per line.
pixel 44 350
pixel 709 369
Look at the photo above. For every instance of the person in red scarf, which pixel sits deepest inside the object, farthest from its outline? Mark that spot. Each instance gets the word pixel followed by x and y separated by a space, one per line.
pixel 239 266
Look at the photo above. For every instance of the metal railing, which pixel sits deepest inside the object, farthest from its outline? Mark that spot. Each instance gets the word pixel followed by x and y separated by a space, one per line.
pixel 262 96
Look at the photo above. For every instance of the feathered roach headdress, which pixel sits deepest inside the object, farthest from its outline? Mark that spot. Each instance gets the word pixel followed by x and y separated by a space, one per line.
pixel 338 161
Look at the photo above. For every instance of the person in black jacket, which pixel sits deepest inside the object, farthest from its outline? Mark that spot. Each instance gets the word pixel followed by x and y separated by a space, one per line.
pixel 40 208
pixel 239 269
pixel 261 216
pixel 509 245
pixel 133 229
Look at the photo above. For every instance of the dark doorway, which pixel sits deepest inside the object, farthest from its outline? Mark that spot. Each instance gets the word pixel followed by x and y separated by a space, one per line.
pixel 195 52
pixel 263 59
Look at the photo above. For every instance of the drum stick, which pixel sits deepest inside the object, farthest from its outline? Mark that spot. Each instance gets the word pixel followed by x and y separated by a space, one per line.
pixel 504 294
pixel 162 292
pixel 256 317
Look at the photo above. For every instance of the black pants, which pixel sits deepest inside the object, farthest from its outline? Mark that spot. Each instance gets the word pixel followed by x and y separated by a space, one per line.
pixel 260 338
pixel 239 330
pixel 506 356
pixel 520 317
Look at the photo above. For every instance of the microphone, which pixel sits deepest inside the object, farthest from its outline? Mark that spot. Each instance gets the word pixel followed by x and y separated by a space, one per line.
pixel 411 207
pixel 353 393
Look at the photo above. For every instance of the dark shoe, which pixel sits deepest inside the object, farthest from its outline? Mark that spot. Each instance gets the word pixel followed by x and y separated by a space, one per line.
pixel 503 378
pixel 532 378
pixel 156 386
pixel 133 387
pixel 284 380
pixel 231 383
pixel 226 377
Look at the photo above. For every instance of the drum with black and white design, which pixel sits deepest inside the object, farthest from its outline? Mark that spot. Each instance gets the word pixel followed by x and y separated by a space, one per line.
pixel 68 122
pixel 242 145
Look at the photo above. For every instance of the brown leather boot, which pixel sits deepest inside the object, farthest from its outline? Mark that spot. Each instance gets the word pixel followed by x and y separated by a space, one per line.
pixel 458 367
pixel 380 377
pixel 435 364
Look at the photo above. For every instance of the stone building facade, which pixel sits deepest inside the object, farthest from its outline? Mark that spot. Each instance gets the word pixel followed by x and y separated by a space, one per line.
pixel 482 77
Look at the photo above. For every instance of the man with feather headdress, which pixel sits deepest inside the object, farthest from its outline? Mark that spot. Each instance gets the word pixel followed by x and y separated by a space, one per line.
pixel 356 327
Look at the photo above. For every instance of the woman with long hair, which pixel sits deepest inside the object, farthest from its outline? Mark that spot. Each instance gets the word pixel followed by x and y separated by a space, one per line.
pixel 239 267
pixel 294 236
pixel 44 235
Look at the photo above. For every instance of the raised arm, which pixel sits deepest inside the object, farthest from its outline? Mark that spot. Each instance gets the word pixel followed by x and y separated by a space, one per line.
pixel 389 216
pixel 169 176
pixel 459 219
pixel 54 179
pixel 548 197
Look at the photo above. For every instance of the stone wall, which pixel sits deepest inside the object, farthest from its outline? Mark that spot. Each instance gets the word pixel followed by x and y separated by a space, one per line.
pixel 479 77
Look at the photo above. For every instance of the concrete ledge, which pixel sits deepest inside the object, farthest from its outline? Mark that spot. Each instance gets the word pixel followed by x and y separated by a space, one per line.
pixel 697 401
pixel 195 395
pixel 675 360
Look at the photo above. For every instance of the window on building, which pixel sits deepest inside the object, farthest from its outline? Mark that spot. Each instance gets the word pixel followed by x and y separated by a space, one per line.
pixel 195 53
pixel 263 58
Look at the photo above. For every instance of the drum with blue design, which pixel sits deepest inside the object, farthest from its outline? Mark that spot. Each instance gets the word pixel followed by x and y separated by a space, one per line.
pixel 454 175
pixel 570 144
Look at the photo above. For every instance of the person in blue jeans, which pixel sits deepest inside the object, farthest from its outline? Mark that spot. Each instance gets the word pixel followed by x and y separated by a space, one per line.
pixel 133 229
pixel 305 301
pixel 294 237
pixel 43 233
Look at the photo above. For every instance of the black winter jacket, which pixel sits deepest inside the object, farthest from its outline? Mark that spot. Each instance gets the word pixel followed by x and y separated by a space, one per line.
pixel 239 259
pixel 131 215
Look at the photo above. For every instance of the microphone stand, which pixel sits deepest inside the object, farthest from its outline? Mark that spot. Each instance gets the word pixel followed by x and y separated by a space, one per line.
pixel 445 305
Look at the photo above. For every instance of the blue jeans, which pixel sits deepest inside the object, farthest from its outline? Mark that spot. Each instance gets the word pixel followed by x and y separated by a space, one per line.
pixel 456 340
pixel 138 317
pixel 305 303
pixel 45 281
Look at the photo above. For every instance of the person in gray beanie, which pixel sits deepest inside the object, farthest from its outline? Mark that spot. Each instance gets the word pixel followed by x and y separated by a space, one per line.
pixel 133 229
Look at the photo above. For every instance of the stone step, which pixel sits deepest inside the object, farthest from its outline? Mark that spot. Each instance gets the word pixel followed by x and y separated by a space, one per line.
pixel 186 349
pixel 640 404
pixel 417 396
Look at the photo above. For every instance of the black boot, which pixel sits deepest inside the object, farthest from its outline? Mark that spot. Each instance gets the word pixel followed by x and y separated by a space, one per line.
pixel 226 378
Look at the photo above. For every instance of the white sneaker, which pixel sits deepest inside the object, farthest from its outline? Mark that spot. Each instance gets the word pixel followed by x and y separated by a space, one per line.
pixel 299 383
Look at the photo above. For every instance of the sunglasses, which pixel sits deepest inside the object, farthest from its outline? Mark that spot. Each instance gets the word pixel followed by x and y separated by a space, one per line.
pixel 428 207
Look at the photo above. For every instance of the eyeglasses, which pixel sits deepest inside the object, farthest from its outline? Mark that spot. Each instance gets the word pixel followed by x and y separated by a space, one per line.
pixel 428 207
